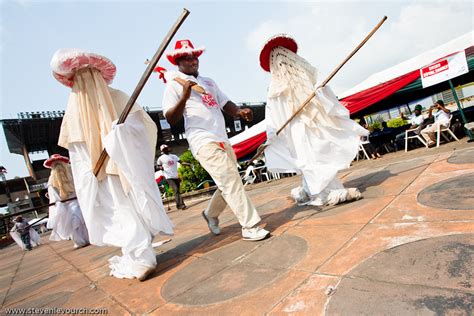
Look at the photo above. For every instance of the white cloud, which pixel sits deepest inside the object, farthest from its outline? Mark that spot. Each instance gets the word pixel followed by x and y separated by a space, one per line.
pixel 327 32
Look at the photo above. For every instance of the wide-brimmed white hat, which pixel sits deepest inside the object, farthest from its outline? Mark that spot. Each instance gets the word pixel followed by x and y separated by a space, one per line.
pixel 183 48
pixel 67 61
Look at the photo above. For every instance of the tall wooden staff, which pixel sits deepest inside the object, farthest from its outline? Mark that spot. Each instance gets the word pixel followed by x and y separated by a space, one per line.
pixel 143 80
pixel 324 83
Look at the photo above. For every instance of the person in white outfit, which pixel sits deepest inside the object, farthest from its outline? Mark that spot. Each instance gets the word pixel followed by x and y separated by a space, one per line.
pixel 65 217
pixel 122 206
pixel 318 142
pixel 24 235
pixel 441 118
pixel 206 134
pixel 169 164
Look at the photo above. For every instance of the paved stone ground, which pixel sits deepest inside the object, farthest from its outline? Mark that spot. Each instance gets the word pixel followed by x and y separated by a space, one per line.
pixel 406 248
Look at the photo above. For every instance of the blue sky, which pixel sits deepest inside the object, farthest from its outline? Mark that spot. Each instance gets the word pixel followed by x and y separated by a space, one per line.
pixel 232 32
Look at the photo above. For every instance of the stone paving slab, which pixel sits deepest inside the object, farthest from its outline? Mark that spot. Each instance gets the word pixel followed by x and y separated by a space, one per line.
pixel 406 248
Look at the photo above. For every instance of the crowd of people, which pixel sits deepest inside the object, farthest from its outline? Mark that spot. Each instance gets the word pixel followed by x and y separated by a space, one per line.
pixel 385 139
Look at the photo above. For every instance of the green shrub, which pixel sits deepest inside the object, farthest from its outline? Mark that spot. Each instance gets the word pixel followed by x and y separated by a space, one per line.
pixel 375 125
pixel 396 122
pixel 193 175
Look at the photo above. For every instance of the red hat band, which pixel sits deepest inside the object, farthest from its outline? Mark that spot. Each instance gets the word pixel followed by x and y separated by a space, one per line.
pixel 48 163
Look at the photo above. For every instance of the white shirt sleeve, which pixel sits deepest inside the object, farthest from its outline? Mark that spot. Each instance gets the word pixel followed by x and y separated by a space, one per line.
pixel 175 158
pixel 170 96
pixel 159 162
pixel 221 98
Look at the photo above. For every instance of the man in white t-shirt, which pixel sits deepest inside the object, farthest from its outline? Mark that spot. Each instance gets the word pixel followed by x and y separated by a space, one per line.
pixel 206 134
pixel 441 117
pixel 169 164
pixel 416 120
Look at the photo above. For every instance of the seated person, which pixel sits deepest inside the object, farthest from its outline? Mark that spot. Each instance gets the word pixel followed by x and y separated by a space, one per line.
pixel 371 150
pixel 385 138
pixel 416 121
pixel 441 118
pixel 364 140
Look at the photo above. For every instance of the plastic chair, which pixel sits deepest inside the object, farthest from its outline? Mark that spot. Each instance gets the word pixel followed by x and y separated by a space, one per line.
pixel 446 129
pixel 265 173
pixel 249 176
pixel 361 148
pixel 417 136
pixel 275 175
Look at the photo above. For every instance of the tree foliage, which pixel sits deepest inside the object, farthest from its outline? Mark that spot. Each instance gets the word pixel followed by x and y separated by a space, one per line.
pixel 396 122
pixel 193 175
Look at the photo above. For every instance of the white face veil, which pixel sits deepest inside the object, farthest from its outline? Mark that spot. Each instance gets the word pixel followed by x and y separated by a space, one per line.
pixel 61 179
pixel 292 70
pixel 294 79
pixel 89 116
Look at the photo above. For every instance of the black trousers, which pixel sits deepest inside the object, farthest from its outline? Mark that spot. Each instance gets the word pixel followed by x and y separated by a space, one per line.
pixel 174 184
pixel 25 238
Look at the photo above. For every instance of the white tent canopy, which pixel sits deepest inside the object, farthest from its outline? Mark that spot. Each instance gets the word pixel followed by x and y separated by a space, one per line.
pixel 248 133
pixel 456 45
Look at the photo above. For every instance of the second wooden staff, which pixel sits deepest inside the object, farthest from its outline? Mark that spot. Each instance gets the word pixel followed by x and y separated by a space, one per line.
pixel 324 83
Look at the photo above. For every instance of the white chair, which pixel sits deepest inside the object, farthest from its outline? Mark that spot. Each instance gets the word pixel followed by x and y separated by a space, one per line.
pixel 362 149
pixel 414 135
pixel 249 176
pixel 266 174
pixel 275 175
pixel 442 129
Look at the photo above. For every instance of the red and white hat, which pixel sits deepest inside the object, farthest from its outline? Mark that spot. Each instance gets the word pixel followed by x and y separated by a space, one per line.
pixel 67 61
pixel 283 40
pixel 183 48
pixel 163 147
pixel 48 163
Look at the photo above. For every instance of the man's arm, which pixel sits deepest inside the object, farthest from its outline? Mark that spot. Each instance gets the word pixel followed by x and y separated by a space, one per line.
pixel 234 111
pixel 430 112
pixel 174 114
pixel 440 107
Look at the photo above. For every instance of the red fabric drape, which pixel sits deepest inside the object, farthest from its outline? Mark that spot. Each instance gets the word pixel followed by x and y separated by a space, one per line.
pixel 247 146
pixel 359 101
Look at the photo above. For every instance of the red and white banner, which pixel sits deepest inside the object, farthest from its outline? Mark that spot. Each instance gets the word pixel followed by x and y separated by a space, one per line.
pixel 444 69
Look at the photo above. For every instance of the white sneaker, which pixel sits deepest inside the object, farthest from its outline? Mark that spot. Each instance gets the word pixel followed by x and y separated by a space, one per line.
pixel 254 234
pixel 212 223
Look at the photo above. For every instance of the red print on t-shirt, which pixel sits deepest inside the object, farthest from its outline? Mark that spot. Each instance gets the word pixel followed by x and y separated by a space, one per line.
pixel 170 163
pixel 208 100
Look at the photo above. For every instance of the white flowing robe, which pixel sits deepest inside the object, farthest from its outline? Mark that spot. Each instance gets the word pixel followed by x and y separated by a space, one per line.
pixel 112 217
pixel 317 152
pixel 318 142
pixel 35 239
pixel 66 220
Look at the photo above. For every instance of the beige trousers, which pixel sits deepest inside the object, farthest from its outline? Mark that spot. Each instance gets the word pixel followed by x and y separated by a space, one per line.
pixel 221 164
pixel 429 132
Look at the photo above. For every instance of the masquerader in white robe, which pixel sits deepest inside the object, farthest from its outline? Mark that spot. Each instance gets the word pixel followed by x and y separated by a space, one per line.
pixel 32 240
pixel 122 206
pixel 65 218
pixel 317 143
